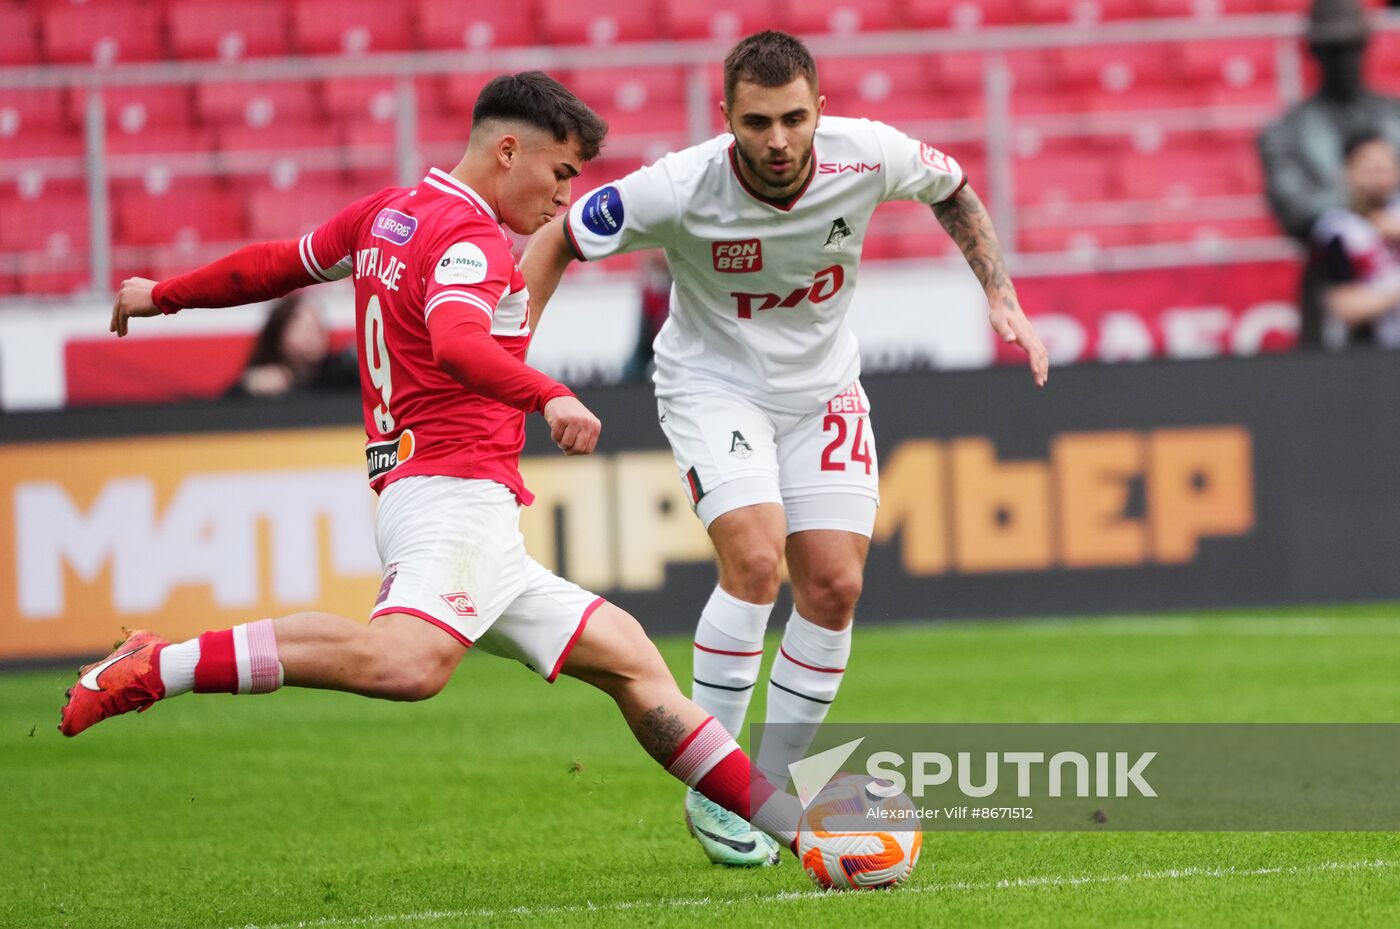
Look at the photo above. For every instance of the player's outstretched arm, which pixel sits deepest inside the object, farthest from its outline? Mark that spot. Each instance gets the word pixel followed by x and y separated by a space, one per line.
pixel 966 221
pixel 249 275
pixel 543 264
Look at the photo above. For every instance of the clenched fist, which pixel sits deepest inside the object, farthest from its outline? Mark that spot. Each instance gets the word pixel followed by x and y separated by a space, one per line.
pixel 572 427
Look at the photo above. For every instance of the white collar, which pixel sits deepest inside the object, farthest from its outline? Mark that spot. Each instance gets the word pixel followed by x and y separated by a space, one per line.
pixel 441 180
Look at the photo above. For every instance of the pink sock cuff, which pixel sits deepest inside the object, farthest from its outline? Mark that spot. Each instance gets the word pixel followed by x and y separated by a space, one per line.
pixel 704 748
pixel 264 673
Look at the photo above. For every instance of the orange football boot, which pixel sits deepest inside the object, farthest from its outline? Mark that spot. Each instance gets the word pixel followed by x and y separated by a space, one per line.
pixel 126 680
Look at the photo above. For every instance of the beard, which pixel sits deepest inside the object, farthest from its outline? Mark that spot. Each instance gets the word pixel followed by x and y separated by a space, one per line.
pixel 760 170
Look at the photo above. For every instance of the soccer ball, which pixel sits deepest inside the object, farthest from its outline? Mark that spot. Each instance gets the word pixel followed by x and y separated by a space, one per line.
pixel 847 860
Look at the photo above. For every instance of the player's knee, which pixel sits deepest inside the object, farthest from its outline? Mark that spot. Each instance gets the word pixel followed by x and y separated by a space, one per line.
pixel 832 597
pixel 411 684
pixel 755 576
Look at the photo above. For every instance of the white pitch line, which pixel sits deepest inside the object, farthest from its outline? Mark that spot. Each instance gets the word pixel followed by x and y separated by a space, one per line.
pixel 1014 883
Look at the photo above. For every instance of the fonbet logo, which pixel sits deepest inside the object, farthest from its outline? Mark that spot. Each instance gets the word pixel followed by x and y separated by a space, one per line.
pixel 933 157
pixel 603 212
pixel 739 257
pixel 1099 774
pixel 825 285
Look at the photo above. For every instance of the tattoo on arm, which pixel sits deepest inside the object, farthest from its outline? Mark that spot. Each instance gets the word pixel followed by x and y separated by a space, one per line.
pixel 661 732
pixel 966 221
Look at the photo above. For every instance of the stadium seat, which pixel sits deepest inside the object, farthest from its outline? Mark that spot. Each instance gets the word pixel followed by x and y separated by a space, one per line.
pixel 140 107
pixel 23 112
pixel 1208 230
pixel 456 93
pixel 1183 174
pixel 55 274
pixel 454 24
pixel 601 23
pixel 102 33
pixel 962 15
pixel 228 29
pixel 840 17
pixel 1052 178
pixel 360 97
pixel 256 104
pixel 1078 237
pixel 1081 12
pixel 160 140
pixel 1113 68
pixel 19 35
pixel 283 214
pixel 719 19
pixel 61 225
pixel 283 137
pixel 332 27
pixel 190 210
pixel 634 101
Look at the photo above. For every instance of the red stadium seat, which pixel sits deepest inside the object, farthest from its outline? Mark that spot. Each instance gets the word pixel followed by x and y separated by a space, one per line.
pixel 1144 99
pixel 255 103
pixel 190 210
pixel 19 35
pixel 1234 64
pixel 1183 174
pixel 1077 237
pixel 961 14
pixel 283 214
pixel 719 19
pixel 102 33
pixel 841 17
pixel 58 273
pixel 31 112
pixel 454 24
pixel 1114 68
pixel 1050 178
pixel 60 225
pixel 1083 12
pixel 228 29
pixel 283 137
pixel 457 93
pixel 137 108
pixel 1208 230
pixel 1202 9
pixel 601 23
pixel 328 27
pixel 635 101
pixel 360 97
pixel 161 140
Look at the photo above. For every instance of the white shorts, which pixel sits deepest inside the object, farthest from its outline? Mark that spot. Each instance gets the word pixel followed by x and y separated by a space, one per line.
pixel 820 467
pixel 453 555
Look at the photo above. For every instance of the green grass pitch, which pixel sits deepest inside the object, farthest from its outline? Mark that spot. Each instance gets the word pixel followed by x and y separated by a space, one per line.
pixel 507 802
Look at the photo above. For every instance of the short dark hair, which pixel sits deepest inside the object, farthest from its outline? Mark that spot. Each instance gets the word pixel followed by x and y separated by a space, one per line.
pixel 536 99
pixel 1359 139
pixel 768 59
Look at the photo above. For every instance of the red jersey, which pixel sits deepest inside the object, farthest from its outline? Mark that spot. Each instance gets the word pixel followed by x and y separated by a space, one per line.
pixel 417 251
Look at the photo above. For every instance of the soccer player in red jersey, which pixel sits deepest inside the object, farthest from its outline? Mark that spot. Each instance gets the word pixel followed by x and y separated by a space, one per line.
pixel 442 320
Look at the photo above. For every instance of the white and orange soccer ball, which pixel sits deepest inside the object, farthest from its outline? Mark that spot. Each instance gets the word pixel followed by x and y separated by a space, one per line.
pixel 838 858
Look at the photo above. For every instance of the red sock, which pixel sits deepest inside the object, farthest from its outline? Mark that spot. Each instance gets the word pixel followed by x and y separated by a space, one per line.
pixel 241 660
pixel 713 763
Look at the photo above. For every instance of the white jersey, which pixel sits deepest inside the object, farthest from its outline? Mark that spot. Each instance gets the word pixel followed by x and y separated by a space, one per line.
pixel 762 287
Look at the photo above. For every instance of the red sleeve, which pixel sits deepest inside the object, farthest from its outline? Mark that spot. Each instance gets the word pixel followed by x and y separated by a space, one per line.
pixel 469 264
pixel 269 270
pixel 464 348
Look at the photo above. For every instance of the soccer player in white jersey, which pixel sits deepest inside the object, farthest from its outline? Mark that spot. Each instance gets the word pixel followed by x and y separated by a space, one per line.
pixel 441 314
pixel 757 372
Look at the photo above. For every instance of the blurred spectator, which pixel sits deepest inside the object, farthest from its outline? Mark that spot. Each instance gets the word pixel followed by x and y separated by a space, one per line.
pixel 1358 249
pixel 656 306
pixel 292 353
pixel 1302 151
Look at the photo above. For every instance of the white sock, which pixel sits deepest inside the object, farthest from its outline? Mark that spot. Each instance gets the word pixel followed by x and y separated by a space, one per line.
pixel 177 667
pixel 802 684
pixel 727 654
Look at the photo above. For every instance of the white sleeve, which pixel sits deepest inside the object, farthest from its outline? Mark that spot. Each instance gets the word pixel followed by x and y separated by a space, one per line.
pixel 917 170
pixel 629 214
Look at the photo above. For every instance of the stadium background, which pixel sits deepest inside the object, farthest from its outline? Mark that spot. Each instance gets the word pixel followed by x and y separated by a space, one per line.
pixel 1113 140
